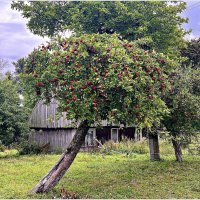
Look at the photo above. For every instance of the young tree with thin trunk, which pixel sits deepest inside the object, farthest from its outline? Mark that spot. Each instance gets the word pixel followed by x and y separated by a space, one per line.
pixel 183 121
pixel 97 77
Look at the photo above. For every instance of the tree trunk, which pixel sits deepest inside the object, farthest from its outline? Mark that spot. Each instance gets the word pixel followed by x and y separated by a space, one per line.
pixel 154 147
pixel 177 150
pixel 63 164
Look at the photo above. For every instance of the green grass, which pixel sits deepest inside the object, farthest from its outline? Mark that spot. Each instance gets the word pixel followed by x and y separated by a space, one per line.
pixel 104 176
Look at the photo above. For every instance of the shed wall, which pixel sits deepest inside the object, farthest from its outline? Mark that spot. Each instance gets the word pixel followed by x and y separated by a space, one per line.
pixel 44 116
pixel 59 139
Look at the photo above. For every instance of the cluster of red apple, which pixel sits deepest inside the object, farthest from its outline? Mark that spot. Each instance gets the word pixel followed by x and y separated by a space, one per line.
pixel 101 67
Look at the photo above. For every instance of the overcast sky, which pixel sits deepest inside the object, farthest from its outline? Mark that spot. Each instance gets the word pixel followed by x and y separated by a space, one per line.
pixel 16 41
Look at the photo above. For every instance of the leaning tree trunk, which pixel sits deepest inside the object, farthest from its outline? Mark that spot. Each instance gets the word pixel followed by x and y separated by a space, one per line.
pixel 154 147
pixel 63 164
pixel 177 150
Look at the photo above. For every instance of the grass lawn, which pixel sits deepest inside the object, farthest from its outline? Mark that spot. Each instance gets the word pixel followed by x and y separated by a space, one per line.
pixel 104 176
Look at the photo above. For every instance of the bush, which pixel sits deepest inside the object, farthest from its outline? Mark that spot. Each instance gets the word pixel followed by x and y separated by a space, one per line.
pixel 9 153
pixel 30 148
pixel 26 147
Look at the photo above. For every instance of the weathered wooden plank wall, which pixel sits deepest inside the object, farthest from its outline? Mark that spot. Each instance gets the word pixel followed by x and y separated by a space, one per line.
pixel 44 116
pixel 57 138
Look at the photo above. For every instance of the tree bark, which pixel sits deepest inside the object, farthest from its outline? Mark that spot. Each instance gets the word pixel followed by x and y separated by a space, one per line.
pixel 65 161
pixel 177 150
pixel 154 147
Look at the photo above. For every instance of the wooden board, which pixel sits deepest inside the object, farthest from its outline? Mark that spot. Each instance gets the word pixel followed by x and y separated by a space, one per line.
pixel 45 116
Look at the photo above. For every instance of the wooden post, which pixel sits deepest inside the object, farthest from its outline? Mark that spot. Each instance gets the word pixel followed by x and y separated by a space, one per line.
pixel 154 147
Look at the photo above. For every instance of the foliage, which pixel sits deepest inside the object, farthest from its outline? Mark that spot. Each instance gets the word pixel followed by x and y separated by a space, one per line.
pixel 192 52
pixel 13 116
pixel 99 76
pixel 160 22
pixel 19 65
pixel 194 149
pixel 9 153
pixel 29 98
pixel 25 147
pixel 2 147
pixel 97 176
pixel 183 102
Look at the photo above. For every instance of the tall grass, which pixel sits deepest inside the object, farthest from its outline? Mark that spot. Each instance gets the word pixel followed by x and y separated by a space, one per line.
pixel 129 146
pixel 126 145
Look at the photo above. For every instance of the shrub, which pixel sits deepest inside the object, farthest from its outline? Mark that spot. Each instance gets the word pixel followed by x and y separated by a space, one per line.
pixel 9 153
pixel 30 148
pixel 26 147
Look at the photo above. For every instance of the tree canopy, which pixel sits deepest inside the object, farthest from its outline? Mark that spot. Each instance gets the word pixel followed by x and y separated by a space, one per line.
pixel 160 22
pixel 183 102
pixel 192 52
pixel 184 95
pixel 100 76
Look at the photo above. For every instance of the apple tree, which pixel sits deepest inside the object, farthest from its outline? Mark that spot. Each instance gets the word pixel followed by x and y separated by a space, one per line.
pixel 182 98
pixel 97 77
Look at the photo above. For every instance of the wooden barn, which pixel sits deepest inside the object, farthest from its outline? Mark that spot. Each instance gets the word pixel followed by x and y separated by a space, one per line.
pixel 58 133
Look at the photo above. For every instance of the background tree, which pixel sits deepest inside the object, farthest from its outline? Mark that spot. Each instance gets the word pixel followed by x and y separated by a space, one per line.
pixel 96 77
pixel 19 65
pixel 183 99
pixel 23 66
pixel 183 102
pixel 192 52
pixel 160 22
pixel 13 116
